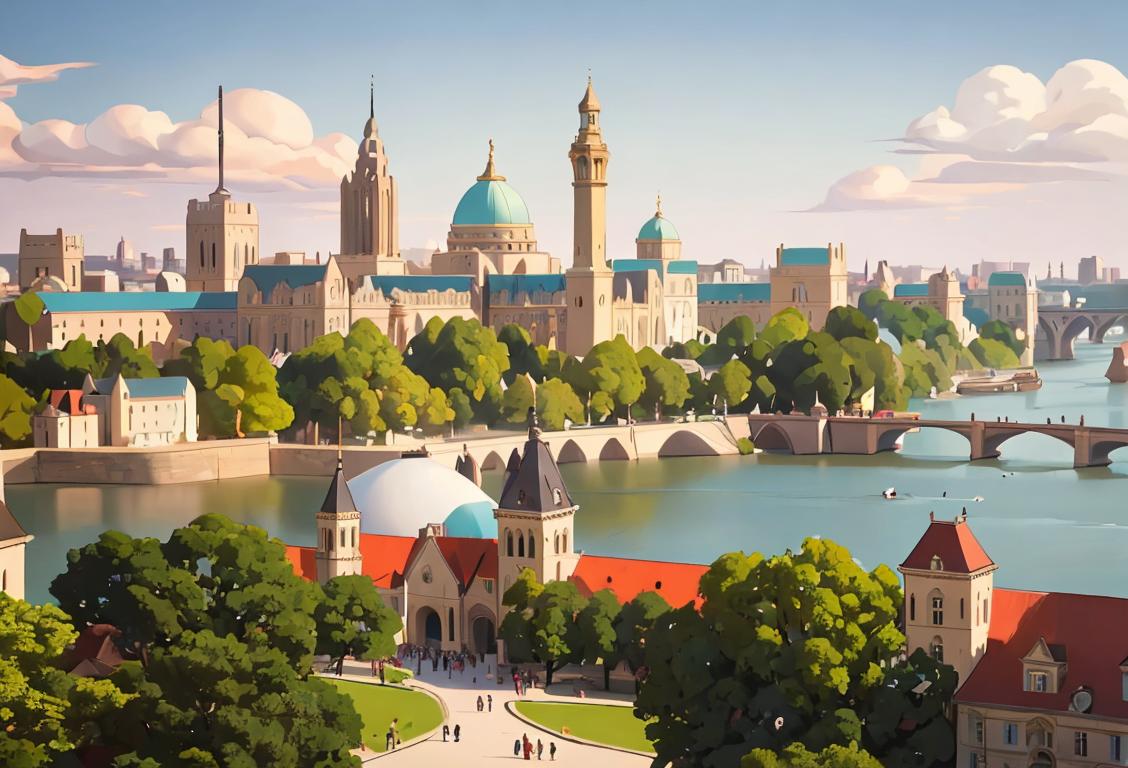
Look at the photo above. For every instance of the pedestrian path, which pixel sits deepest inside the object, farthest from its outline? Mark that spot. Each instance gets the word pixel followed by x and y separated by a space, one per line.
pixel 487 737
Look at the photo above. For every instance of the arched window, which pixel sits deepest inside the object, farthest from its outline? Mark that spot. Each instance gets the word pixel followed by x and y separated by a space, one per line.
pixel 4 580
pixel 581 168
pixel 912 607
pixel 936 564
pixel 450 624
pixel 532 545
pixel 961 607
pixel 556 547
pixel 557 497
pixel 202 253
pixel 342 537
pixel 213 255
pixel 354 537
pixel 520 544
pixel 509 542
pixel 246 249
pixel 566 541
pixel 936 649
pixel 936 603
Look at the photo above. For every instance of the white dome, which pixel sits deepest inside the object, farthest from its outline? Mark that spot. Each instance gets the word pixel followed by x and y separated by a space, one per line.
pixel 401 496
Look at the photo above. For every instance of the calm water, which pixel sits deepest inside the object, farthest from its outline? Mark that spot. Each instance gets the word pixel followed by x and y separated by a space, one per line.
pixel 1047 525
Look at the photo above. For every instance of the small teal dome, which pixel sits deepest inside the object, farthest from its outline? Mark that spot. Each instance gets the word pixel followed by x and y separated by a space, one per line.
pixel 473 520
pixel 489 202
pixel 658 228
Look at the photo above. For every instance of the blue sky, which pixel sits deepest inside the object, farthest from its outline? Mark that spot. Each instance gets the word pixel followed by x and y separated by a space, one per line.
pixel 739 113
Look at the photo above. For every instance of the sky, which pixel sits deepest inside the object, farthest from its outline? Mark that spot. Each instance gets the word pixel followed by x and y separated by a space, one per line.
pixel 931 134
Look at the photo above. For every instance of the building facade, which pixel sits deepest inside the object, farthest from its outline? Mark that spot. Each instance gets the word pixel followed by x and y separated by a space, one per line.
pixel 66 422
pixel 142 412
pixel 1013 299
pixel 51 262
pixel 812 280
pixel 942 293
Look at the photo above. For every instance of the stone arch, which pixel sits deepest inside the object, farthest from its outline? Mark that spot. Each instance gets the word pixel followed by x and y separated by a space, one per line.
pixel 992 442
pixel 887 440
pixel 686 443
pixel 1042 758
pixel 570 453
pixel 613 450
pixel 1104 325
pixel 428 627
pixel 521 268
pixel 483 629
pixel 772 437
pixel 1099 452
pixel 492 461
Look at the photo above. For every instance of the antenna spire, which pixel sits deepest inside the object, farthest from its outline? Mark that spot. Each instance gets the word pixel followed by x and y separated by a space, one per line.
pixel 220 190
pixel 340 451
pixel 371 97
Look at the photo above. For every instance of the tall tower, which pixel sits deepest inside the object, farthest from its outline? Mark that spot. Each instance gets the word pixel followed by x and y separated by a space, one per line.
pixel 535 516
pixel 948 585
pixel 589 282
pixel 222 236
pixel 338 531
pixel 370 209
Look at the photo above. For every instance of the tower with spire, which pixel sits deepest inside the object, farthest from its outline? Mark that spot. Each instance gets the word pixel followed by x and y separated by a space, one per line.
pixel 338 530
pixel 590 279
pixel 370 208
pixel 222 236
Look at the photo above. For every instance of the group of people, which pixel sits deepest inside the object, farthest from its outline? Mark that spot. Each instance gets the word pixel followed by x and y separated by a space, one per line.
pixel 521 682
pixel 523 746
pixel 451 661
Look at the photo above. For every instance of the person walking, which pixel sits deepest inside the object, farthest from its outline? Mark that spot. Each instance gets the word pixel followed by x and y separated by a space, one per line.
pixel 392 735
pixel 457 731
pixel 526 746
pixel 552 750
pixel 517 682
pixel 481 704
pixel 540 749
pixel 489 702
pixel 516 747
pixel 446 732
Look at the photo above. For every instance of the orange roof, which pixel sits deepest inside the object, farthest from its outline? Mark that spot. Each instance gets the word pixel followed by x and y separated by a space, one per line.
pixel 954 543
pixel 1090 632
pixel 69 401
pixel 676 582
pixel 384 558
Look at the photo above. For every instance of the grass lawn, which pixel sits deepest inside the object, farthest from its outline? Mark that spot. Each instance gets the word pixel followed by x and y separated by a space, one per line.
pixel 418 713
pixel 614 726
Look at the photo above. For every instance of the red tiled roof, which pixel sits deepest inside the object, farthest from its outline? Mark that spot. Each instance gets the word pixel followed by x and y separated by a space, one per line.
pixel 953 541
pixel 69 401
pixel 1093 633
pixel 676 582
pixel 94 653
pixel 384 558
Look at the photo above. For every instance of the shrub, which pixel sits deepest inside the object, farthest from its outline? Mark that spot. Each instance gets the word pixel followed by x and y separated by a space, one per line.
pixel 745 446
pixel 396 675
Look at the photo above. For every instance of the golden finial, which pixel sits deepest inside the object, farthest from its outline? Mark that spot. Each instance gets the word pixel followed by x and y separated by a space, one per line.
pixel 490 174
pixel 658 206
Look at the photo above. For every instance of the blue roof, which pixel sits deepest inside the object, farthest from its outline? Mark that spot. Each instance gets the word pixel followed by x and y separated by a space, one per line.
pixel 514 284
pixel 977 316
pixel 683 267
pixel 420 283
pixel 636 265
pixel 658 228
pixel 910 290
pixel 804 257
pixel 137 301
pixel 269 276
pixel 1006 279
pixel 167 386
pixel 735 292
pixel 489 202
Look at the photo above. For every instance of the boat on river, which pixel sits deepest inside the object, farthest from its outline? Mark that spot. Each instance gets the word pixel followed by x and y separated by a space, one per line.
pixel 1025 380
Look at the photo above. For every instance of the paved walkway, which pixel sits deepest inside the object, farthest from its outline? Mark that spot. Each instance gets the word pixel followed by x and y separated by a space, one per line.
pixel 487 737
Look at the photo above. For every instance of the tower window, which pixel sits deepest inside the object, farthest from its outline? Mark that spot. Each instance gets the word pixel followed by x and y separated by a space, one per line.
pixel 450 624
pixel 912 607
pixel 213 255
pixel 509 542
pixel 532 545
pixel 936 649
pixel 936 602
pixel 520 544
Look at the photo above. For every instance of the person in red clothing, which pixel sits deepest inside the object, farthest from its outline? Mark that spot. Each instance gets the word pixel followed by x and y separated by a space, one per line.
pixel 517 682
pixel 527 746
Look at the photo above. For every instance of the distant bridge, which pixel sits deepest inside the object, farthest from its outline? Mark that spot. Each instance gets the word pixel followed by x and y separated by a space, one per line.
pixel 1059 327
pixel 802 434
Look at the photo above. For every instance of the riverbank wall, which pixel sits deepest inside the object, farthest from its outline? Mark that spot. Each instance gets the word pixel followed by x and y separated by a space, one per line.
pixel 252 457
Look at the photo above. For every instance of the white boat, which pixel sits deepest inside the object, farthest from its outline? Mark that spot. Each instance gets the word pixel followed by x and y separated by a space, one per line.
pixel 889 493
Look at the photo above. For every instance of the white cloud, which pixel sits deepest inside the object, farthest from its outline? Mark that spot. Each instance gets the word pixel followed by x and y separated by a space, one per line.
pixel 13 74
pixel 268 141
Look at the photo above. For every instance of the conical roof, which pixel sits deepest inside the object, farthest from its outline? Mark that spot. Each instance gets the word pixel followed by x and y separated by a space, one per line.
pixel 534 484
pixel 339 499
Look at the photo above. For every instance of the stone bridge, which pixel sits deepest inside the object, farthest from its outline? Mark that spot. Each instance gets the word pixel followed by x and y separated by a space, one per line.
pixel 801 434
pixel 1059 327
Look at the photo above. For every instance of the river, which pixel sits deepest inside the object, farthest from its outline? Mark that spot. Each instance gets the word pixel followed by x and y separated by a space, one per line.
pixel 1048 526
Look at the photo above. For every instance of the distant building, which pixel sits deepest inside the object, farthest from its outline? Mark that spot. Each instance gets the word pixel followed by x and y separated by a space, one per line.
pixel 1090 269
pixel 812 280
pixel 724 271
pixel 981 272
pixel 142 412
pixel 66 422
pixel 169 262
pixel 13 544
pixel 124 256
pixel 51 262
pixel 1043 676
pixel 942 293
pixel 1013 298
pixel 101 281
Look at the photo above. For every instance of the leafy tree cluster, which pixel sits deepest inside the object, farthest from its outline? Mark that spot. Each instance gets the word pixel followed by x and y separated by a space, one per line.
pixel 552 624
pixel 792 661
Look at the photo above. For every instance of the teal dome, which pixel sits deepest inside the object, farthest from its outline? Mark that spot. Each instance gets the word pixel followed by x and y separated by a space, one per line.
pixel 658 228
pixel 490 202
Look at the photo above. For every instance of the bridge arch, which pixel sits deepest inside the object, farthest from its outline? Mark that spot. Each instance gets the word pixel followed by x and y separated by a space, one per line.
pixel 1101 450
pixel 772 437
pixel 1103 325
pixel 570 453
pixel 613 450
pixel 686 443
pixel 994 439
pixel 492 461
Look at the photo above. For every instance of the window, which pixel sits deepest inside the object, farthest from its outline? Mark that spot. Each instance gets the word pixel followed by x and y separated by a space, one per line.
pixel 961 607
pixel 427 575
pixel 986 616
pixel 912 609
pixel 532 545
pixel 936 649
pixel 1037 682
pixel 450 624
pixel 556 549
pixel 520 544
pixel 1114 748
pixel 936 564
pixel 1081 743
pixel 1010 734
pixel 973 760
pixel 488 584
pixel 977 729
pixel 213 255
pixel 342 537
pixel 1124 686
pixel 938 610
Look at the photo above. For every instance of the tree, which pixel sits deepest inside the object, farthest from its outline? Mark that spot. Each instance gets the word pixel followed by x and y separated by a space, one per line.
pixel 557 402
pixel 888 376
pixel 690 350
pixel 848 322
pixel 542 626
pixel 632 624
pixel 802 636
pixel 353 620
pixel 120 356
pixel 524 357
pixel 931 743
pixel 596 622
pixel 667 386
pixel 248 385
pixel 786 325
pixel 517 401
pixel 610 375
pixel 15 414
pixel 870 302
pixel 992 353
pixel 901 321
pixel 45 710
pixel 461 353
pixel 797 756
pixel 731 340
pixel 731 383
pixel 997 330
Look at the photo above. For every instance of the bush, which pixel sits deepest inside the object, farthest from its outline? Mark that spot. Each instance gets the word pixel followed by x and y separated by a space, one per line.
pixel 745 446
pixel 396 675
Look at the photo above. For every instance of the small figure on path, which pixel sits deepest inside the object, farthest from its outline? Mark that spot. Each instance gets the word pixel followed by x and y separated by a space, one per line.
pixel 552 750
pixel 526 745
pixel 481 704
pixel 516 747
pixel 517 683
pixel 489 702
pixel 446 731
pixel 540 749
pixel 392 735
pixel 457 731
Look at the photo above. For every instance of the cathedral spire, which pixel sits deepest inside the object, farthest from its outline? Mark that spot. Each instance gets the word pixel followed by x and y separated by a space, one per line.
pixel 490 174
pixel 370 128
pixel 220 189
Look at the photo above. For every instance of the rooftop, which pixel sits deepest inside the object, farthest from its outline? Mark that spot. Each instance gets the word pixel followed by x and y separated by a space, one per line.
pixel 514 284
pixel 532 480
pixel 1006 280
pixel 677 583
pixel 804 257
pixel 910 290
pixel 137 301
pixel 420 283
pixel 953 542
pixel 734 292
pixel 267 277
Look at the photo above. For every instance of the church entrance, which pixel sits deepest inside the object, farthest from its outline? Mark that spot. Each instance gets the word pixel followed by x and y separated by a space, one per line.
pixel 1042 759
pixel 485 635
pixel 428 628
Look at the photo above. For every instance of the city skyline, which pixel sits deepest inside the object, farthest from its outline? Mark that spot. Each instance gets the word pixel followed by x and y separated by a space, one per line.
pixel 744 162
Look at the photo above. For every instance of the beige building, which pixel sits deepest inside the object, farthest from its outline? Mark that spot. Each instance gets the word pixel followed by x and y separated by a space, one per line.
pixel 942 293
pixel 1043 677
pixel 51 262
pixel 1013 298
pixel 284 307
pixel 13 545
pixel 142 412
pixel 66 422
pixel 720 303
pixel 813 280
pixel 221 235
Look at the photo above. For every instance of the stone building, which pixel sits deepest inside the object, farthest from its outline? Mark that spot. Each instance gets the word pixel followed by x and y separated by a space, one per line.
pixel 284 307
pixel 942 293
pixel 66 422
pixel 142 412
pixel 812 280
pixel 1043 677
pixel 1013 298
pixel 13 545
pixel 51 262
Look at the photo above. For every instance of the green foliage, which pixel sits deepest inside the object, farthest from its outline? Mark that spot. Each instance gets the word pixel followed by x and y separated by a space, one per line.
pixel 15 414
pixel 611 375
pixel 119 355
pixel 901 321
pixel 524 357
pixel 992 353
pixel 353 620
pixel 888 376
pixel 731 383
pixel 797 756
pixel 801 636
pixel 542 626
pixel 732 338
pixel 517 401
pixel 690 350
pixel 596 624
pixel 667 386
pixel 997 330
pixel 814 367
pixel 870 301
pixel 29 307
pixel 745 446
pixel 848 322
pixel 932 741
pixel 557 401
pixel 238 390
pixel 787 325
pixel 45 710
pixel 460 353
pixel 397 675
pixel 924 369
pixel 636 618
